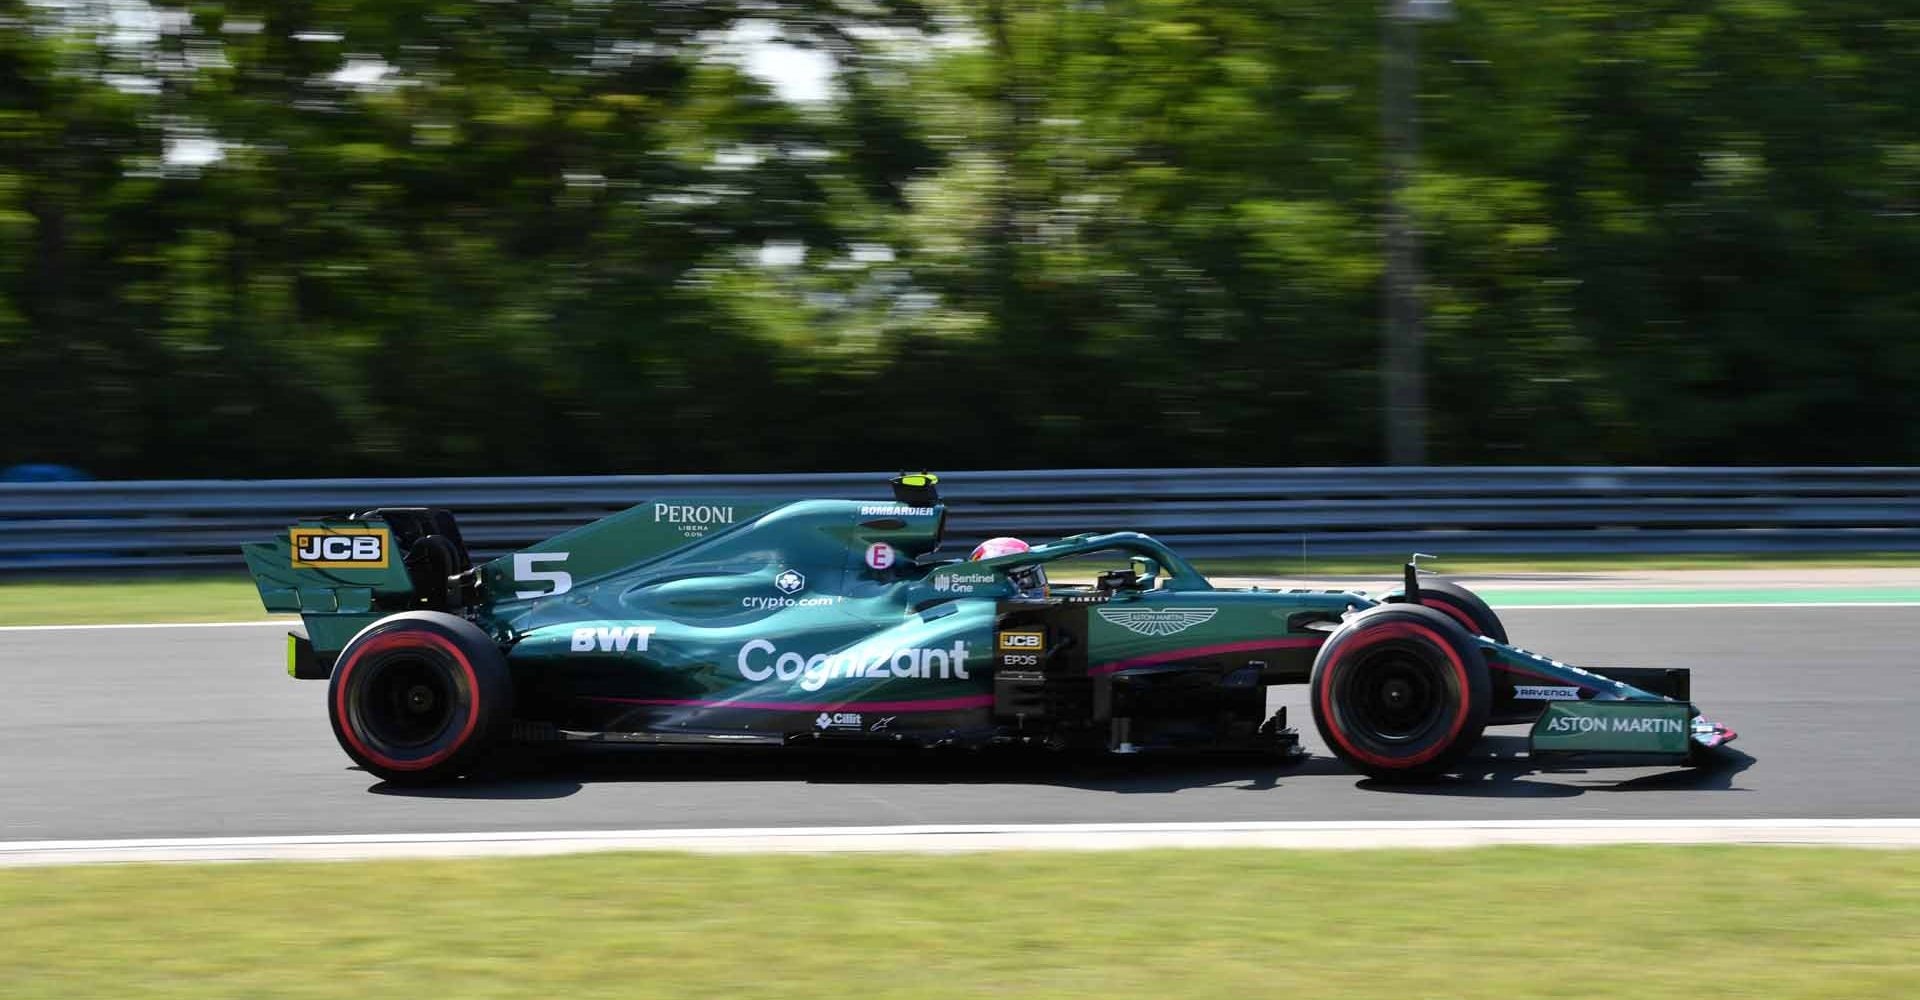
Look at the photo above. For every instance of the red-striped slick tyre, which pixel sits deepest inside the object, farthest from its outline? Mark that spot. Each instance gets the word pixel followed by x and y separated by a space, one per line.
pixel 417 696
pixel 1400 691
pixel 1461 605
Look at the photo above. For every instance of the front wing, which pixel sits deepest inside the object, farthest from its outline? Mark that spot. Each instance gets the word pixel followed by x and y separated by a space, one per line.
pixel 1589 711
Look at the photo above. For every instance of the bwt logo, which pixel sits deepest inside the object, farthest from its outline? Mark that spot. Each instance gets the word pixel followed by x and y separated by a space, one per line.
pixel 612 640
pixel 344 548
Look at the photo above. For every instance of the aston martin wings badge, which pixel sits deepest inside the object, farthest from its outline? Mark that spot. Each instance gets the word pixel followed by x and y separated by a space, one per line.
pixel 1158 621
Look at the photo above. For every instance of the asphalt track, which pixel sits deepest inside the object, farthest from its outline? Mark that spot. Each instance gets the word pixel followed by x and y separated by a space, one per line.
pixel 197 732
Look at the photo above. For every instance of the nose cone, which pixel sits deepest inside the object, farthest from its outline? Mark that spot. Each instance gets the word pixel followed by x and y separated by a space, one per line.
pixel 1711 734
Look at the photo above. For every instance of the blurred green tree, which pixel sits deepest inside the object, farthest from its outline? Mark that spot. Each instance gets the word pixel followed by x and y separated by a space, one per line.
pixel 433 236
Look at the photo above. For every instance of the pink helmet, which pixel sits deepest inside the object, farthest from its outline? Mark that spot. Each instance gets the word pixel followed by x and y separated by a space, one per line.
pixel 1003 546
pixel 1031 580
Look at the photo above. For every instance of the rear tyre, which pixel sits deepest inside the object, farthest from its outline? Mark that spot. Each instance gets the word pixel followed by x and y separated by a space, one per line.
pixel 1400 692
pixel 416 697
pixel 1460 604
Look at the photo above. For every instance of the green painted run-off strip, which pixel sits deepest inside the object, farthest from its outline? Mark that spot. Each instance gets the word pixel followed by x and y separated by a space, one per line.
pixel 1548 598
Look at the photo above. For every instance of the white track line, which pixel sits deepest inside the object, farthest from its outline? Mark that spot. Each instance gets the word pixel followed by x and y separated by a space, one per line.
pixel 1898 833
pixel 283 623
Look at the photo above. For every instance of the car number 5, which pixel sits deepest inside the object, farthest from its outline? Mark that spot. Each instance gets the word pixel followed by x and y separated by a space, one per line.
pixel 525 570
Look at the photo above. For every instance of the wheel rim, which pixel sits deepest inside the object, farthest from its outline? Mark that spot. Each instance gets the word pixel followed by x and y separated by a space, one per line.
pixel 1394 694
pixel 406 701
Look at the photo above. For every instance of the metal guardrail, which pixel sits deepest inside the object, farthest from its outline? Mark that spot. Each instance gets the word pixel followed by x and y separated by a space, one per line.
pixel 199 524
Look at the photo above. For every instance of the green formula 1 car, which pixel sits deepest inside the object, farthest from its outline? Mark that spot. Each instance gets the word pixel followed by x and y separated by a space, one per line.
pixel 826 621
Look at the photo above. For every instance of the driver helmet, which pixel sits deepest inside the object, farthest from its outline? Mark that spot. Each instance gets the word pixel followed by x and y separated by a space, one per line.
pixel 1030 580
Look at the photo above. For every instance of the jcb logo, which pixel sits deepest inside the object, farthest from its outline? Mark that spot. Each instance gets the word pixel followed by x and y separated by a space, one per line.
pixel 1023 641
pixel 339 548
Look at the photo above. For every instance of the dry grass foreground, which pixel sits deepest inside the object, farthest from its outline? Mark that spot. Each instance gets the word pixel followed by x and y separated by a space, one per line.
pixel 1501 922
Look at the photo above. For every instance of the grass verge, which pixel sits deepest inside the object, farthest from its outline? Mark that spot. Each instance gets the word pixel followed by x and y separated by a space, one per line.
pixel 1641 922
pixel 154 599
pixel 232 598
pixel 1388 567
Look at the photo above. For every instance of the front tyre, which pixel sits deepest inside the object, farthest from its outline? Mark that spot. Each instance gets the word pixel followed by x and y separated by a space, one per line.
pixel 1400 692
pixel 417 696
pixel 1461 605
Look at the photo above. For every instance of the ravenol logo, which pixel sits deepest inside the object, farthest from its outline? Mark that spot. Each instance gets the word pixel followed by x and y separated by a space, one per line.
pixel 1023 642
pixel 339 548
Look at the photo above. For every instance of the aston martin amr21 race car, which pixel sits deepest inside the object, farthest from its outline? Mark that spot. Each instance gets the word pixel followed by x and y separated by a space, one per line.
pixel 826 622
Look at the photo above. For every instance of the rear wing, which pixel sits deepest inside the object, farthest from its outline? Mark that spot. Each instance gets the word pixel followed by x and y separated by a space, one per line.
pixel 340 573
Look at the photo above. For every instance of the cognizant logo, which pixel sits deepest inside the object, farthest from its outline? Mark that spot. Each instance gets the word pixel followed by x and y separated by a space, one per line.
pixel 761 660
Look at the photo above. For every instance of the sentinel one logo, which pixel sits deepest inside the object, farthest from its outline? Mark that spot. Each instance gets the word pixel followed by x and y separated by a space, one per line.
pixel 761 660
pixel 1158 621
pixel 1617 724
pixel 339 548
pixel 962 583
pixel 612 640
pixel 694 519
